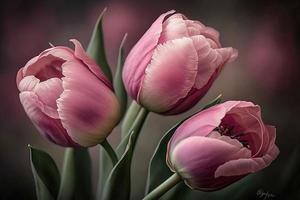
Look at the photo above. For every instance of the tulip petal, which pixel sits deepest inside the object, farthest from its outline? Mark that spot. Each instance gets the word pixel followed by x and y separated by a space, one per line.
pixel 246 166
pixel 90 63
pixel 196 158
pixel 28 83
pixel 50 128
pixel 48 63
pixel 204 122
pixel 48 92
pixel 248 122
pixel 173 28
pixel 170 75
pixel 87 106
pixel 140 56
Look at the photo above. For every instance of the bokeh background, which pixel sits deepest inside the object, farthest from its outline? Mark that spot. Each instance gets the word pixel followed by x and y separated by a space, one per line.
pixel 266 72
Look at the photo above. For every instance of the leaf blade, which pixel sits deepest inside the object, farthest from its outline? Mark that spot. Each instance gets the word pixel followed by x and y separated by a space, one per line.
pixel 96 47
pixel 76 180
pixel 46 174
pixel 118 80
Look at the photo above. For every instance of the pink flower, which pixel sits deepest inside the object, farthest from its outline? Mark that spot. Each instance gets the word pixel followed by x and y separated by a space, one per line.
pixel 221 145
pixel 67 97
pixel 174 64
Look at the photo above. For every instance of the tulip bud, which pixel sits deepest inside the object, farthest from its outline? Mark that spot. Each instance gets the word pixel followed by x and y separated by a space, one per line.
pixel 220 145
pixel 174 64
pixel 67 97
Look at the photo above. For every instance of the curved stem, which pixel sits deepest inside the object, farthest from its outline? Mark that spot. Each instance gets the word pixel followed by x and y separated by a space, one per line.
pixel 164 187
pixel 110 151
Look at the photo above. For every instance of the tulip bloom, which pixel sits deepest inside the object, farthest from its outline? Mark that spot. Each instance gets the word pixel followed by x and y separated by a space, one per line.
pixel 67 97
pixel 220 145
pixel 174 64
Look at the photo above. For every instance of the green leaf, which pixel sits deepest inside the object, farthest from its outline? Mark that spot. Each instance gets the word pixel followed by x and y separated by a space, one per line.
pixel 105 167
pixel 96 47
pixel 46 174
pixel 118 81
pixel 118 184
pixel 76 175
pixel 158 170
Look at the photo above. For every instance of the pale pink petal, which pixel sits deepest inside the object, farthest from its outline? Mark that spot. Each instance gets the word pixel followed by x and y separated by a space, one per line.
pixel 47 126
pixel 194 27
pixel 48 92
pixel 173 28
pixel 28 83
pixel 88 109
pixel 211 33
pixel 246 166
pixel 196 159
pixel 140 56
pixel 170 75
pixel 90 63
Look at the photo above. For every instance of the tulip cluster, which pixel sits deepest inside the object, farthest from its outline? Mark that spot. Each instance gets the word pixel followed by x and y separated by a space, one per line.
pixel 73 104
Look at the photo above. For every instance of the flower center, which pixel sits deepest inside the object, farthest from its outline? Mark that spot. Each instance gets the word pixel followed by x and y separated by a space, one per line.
pixel 229 131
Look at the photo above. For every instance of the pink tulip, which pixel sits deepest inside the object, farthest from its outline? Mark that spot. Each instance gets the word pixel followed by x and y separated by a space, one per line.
pixel 174 64
pixel 221 145
pixel 67 97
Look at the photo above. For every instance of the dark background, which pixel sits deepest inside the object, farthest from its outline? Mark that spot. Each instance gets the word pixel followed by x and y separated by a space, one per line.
pixel 266 72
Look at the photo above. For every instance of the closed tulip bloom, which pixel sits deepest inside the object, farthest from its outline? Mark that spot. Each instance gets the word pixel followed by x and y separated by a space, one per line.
pixel 220 145
pixel 67 97
pixel 174 64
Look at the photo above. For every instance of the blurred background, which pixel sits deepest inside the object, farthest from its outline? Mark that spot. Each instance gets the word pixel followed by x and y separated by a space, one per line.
pixel 266 72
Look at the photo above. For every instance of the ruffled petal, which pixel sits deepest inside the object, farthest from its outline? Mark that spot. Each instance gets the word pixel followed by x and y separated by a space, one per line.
pixel 90 63
pixel 140 56
pixel 88 109
pixel 50 128
pixel 28 83
pixel 173 28
pixel 170 75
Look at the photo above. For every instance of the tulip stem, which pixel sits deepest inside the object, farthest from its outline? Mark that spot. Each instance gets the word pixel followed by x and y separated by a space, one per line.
pixel 110 151
pixel 164 187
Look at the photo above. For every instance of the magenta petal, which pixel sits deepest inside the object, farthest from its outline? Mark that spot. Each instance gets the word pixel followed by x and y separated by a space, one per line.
pixel 50 128
pixel 170 75
pixel 88 109
pixel 140 56
pixel 91 64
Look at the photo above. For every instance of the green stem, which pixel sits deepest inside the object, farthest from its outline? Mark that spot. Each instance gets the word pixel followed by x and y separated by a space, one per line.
pixel 110 151
pixel 163 188
pixel 136 126
pixel 130 117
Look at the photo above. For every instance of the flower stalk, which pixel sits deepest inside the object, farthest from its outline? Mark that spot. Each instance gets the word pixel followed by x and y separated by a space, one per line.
pixel 164 187
pixel 110 151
